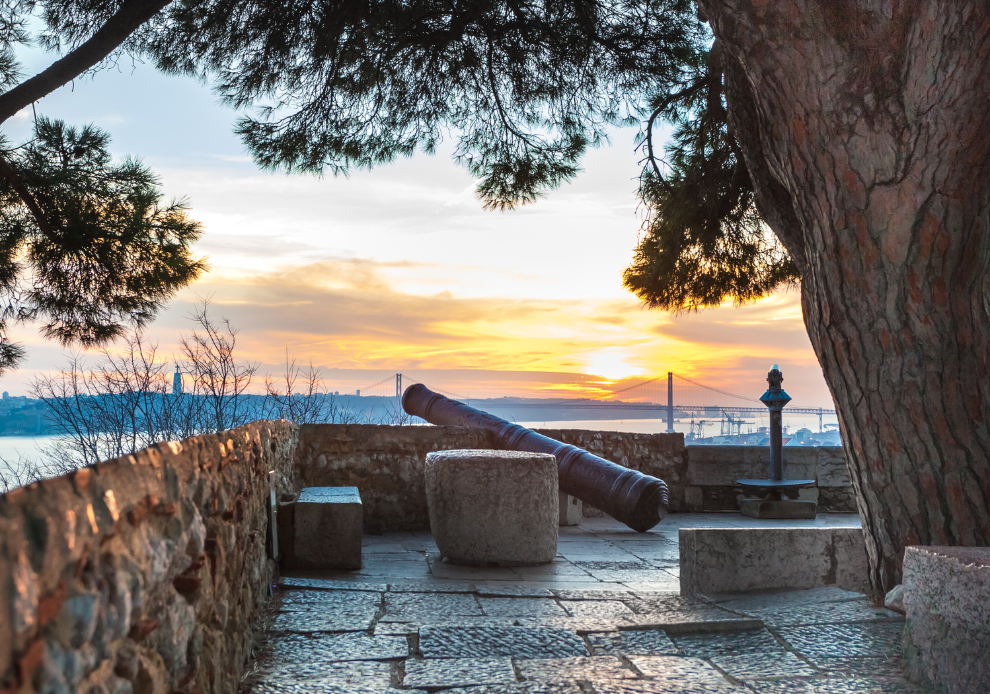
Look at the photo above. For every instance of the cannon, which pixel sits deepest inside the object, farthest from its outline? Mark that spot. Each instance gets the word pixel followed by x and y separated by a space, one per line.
pixel 638 500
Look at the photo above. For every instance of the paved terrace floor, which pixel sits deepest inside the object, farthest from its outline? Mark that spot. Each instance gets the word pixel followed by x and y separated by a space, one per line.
pixel 605 617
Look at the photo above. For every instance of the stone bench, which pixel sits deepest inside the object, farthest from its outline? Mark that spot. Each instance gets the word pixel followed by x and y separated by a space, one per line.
pixel 947 605
pixel 493 507
pixel 327 528
pixel 739 560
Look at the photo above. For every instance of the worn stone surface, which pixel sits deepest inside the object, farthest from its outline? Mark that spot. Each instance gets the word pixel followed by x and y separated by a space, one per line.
pixel 734 643
pixel 309 621
pixel 686 686
pixel 748 667
pixel 327 528
pixel 456 672
pixel 645 642
pixel 521 688
pixel 330 648
pixel 674 670
pixel 947 604
pixel 516 641
pixel 276 677
pixel 771 558
pixel 521 607
pixel 337 601
pixel 881 639
pixel 598 608
pixel 603 667
pixel 412 606
pixel 329 584
pixel 150 568
pixel 493 507
pixel 837 686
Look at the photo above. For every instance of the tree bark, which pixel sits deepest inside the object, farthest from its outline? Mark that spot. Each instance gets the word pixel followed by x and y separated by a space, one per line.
pixel 866 128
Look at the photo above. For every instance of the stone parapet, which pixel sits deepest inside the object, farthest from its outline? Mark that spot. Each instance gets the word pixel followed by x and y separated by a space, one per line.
pixel 946 597
pixel 145 573
pixel 712 471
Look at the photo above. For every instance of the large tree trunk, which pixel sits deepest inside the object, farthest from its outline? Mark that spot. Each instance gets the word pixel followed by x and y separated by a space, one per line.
pixel 866 128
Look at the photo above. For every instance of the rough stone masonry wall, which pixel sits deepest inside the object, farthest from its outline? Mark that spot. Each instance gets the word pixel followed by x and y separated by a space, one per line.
pixel 143 574
pixel 385 463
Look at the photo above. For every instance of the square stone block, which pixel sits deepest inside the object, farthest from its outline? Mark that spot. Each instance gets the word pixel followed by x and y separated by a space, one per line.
pixel 781 509
pixel 571 510
pixel 327 528
pixel 739 560
pixel 947 604
pixel 493 508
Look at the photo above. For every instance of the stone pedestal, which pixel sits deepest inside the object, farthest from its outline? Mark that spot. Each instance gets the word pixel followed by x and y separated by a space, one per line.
pixel 493 507
pixel 327 528
pixel 571 509
pixel 779 508
pixel 738 560
pixel 947 603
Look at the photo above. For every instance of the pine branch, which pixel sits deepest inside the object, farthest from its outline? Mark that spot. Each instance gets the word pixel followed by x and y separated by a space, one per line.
pixel 131 15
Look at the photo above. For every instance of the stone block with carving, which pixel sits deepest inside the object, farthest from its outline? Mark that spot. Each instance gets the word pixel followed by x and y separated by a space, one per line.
pixel 946 595
pixel 492 507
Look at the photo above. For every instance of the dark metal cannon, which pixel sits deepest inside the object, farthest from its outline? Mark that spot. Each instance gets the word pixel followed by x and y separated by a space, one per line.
pixel 629 496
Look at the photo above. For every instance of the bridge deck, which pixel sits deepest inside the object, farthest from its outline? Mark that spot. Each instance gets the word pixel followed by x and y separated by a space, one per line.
pixel 605 617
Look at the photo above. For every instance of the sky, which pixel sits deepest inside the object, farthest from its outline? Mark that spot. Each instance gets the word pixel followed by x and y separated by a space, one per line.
pixel 400 270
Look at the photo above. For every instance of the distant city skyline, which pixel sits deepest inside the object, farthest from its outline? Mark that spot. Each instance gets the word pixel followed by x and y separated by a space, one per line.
pixel 399 269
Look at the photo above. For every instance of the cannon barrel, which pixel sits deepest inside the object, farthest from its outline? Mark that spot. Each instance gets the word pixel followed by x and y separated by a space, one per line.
pixel 629 496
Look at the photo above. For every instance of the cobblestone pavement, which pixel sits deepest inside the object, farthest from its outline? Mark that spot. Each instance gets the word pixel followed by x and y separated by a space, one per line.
pixel 540 633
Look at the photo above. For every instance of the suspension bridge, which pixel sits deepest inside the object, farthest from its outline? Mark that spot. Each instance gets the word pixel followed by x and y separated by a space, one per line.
pixel 662 394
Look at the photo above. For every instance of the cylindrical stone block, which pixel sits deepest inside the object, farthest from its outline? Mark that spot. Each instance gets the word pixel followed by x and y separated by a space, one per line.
pixel 493 507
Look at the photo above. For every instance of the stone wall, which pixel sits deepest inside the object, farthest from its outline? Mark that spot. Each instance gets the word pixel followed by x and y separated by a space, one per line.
pixel 385 463
pixel 145 573
pixel 712 471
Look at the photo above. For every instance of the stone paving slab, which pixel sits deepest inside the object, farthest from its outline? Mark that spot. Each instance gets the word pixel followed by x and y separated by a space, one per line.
pixel 296 648
pixel 603 667
pixel 340 601
pixel 329 584
pixel 825 613
pixel 838 686
pixel 325 687
pixel 678 670
pixel 520 688
pixel 780 599
pixel 514 591
pixel 845 640
pixel 521 607
pixel 480 641
pixel 598 608
pixel 748 667
pixel 310 621
pixel 580 625
pixel 407 607
pixel 582 594
pixel 666 687
pixel 732 643
pixel 860 667
pixel 394 628
pixel 432 587
pixel 373 676
pixel 646 642
pixel 458 672
pixel 681 624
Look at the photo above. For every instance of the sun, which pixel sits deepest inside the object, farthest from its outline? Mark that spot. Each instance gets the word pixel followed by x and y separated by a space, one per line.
pixel 611 362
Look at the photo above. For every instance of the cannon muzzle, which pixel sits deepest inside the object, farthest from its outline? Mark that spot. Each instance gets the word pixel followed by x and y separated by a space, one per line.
pixel 629 496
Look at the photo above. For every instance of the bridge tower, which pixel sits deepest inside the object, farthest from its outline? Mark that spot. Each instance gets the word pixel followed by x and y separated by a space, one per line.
pixel 398 385
pixel 670 402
